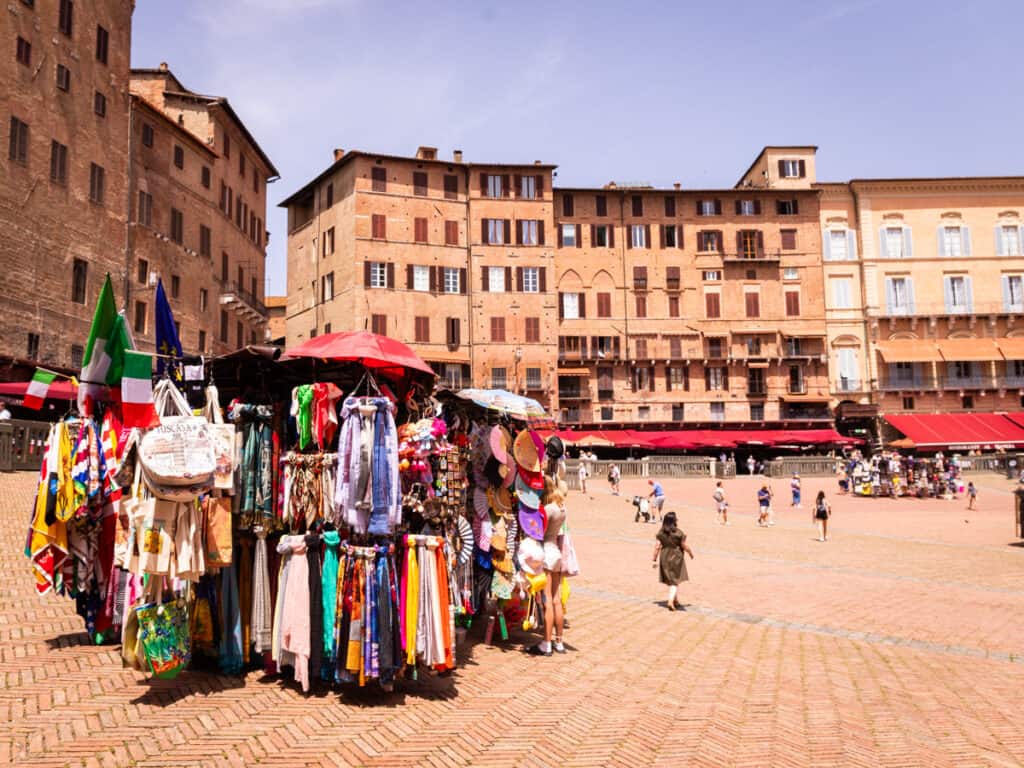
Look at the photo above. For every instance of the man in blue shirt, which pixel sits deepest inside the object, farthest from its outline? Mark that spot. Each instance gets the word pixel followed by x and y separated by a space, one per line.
pixel 658 494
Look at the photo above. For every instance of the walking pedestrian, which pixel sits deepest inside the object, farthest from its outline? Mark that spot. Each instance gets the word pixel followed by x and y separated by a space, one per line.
pixel 614 475
pixel 669 558
pixel 658 495
pixel 751 464
pixel 794 487
pixel 764 500
pixel 972 495
pixel 721 503
pixel 771 503
pixel 582 472
pixel 822 512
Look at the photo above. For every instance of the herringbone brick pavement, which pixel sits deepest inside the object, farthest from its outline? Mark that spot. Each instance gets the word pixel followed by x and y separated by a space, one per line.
pixel 900 642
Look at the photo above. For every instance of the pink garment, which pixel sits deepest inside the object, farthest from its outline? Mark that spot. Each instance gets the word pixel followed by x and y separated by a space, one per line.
pixel 325 414
pixel 295 616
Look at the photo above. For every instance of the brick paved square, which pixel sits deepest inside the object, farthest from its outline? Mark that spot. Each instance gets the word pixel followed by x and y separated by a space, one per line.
pixel 899 642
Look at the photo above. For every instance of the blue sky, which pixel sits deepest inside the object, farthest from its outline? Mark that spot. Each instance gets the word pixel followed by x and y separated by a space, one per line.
pixel 642 91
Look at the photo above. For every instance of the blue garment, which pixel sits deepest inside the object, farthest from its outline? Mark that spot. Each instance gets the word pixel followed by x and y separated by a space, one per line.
pixel 658 491
pixel 229 658
pixel 380 513
pixel 763 497
pixel 167 342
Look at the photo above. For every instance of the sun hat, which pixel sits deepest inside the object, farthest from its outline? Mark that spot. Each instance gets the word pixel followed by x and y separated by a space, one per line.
pixel 538 443
pixel 554 448
pixel 532 521
pixel 527 495
pixel 533 479
pixel 525 451
pixel 500 442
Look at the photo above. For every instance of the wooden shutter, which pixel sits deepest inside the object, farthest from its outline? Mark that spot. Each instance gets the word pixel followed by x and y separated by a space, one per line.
pixel 561 305
pixel 647 236
pixel 579 235
pixel 601 205
pixel 391 275
pixel 672 278
pixel 409 279
pixel 462 280
pixel 542 279
pixel 718 207
pixel 507 227
pixel 721 241
pixel 782 169
pixel 611 236
pixel 483 185
pixel 661 236
pixel 641 305
pixel 699 211
pixel 679 236
pixel 792 303
pixel 568 207
pixel 668 379
pixel 796 206
pixel 506 189
pixel 483 231
pixel 739 207
pixel 616 346
pixel 519 279
pixel 739 243
pixel 803 168
pixel 559 235
pixel 628 234
pixel 593 236
pixel 760 244
pixel 757 207
pixel 582 301
pixel 433 279
pixel 753 304
pixel 519 232
pixel 712 305
pixel 485 279
pixel 508 278
pixel 540 232
pixel 366 273
pixel 540 185
pixel 670 205
pixel 519 185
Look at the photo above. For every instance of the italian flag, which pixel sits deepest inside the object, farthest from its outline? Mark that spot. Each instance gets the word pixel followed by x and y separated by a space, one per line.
pixel 103 362
pixel 137 391
pixel 37 388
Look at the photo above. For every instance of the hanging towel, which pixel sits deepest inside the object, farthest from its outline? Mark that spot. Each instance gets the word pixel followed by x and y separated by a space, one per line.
pixel 295 615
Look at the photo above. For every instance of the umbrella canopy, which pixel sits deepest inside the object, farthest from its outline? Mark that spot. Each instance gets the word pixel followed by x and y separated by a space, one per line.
pixel 381 354
pixel 507 402
pixel 61 389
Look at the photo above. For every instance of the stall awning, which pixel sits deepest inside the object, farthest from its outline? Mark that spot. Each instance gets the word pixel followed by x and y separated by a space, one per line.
pixel 935 430
pixel 696 439
pixel 1011 349
pixel 953 350
pixel 908 351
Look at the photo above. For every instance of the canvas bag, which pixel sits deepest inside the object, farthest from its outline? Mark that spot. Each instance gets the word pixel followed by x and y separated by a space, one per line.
pixel 223 436
pixel 179 452
pixel 154 535
pixel 165 637
pixel 218 531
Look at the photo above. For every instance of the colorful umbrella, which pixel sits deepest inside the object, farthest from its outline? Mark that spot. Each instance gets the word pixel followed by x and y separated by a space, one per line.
pixel 509 403
pixel 380 354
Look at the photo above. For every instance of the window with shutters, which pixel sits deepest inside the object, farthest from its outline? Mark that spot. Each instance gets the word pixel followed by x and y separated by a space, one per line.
pixel 379 179
pixel 18 151
pixel 63 78
pixel 528 187
pixel 223 335
pixel 571 306
pixel 1010 241
pixel 752 302
pixel 670 205
pixel 64 19
pixel 837 249
pixel 379 324
pixel 420 229
pixel 568 205
pixel 24 52
pixel 711 275
pixel 378 274
pixel 637 202
pixel 796 380
pixel 754 346
pixel 175 286
pixel 673 306
pixel 328 237
pixel 452 331
pixel 792 303
pixel 451 186
pixel 528 229
pixel 499 380
pixel 643 379
pixel 329 196
pixel 746 207
pixel 675 347
pixel 496 280
pixel 708 207
pixel 420 278
pixel 379 226
pixel 641 305
pixel 451 233
pixel 791 169
pixel 794 346
pixel 842 292
pixel 716 347
pixel 709 240
pixel 952 242
pixel 327 287
pixel 600 238
pixel 531 280
pixel 788 239
pixel 898 301
pixel 533 380
pixel 669 235
pixel 755 381
pixel 679 378
pixel 672 281
pixel 605 383
pixel 601 205
pixel 58 162
pixel 422 329
pixel 97 183
pixel 451 280
pixel 1014 293
pixel 958 299
pixel 179 157
pixel 495 231
pixel 419 183
pixel 99 104
pixel 712 305
pixel 224 266
pixel 103 46
pixel 494 187
pixel 568 232
pixel 894 243
pixel 498 329
pixel 532 330
pixel 139 326
pixel 715 378
pixel 748 244
pixel 79 274
pixel 641 347
pixel 604 305
pixel 177 226
pixel 204 176
pixel 787 207
pixel 638 235
pixel 640 278
pixel 204 241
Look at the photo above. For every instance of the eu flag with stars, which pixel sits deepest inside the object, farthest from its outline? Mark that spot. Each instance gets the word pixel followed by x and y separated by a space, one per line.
pixel 167 342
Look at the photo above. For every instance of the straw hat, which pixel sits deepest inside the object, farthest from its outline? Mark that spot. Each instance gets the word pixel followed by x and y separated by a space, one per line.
pixel 526 452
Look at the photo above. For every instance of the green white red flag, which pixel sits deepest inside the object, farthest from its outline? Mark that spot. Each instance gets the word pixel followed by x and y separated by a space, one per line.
pixel 103 362
pixel 137 391
pixel 37 388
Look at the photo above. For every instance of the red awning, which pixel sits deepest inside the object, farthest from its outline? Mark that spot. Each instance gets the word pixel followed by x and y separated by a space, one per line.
pixel 61 389
pixel 938 430
pixel 1017 417
pixel 702 439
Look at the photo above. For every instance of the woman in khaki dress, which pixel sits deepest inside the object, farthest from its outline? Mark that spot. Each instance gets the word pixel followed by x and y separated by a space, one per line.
pixel 669 554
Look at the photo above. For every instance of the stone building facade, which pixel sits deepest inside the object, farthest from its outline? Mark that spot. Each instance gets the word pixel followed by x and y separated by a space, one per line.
pixel 63 181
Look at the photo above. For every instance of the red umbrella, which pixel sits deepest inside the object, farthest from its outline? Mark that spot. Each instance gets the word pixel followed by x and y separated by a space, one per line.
pixel 380 354
pixel 61 389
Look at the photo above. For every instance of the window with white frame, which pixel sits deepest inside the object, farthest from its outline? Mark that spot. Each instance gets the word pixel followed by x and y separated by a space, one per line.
pixel 747 208
pixel 842 292
pixel 716 378
pixel 899 292
pixel 718 411
pixel 378 274
pixel 529 231
pixel 496 280
pixel 1010 241
pixel 531 281
pixel 571 306
pixel 420 278
pixel 791 273
pixel 638 235
pixel 451 280
pixel 958 297
pixel 494 187
pixel 790 169
pixel 849 378
pixel 528 190
pixel 707 208
pixel 712 275
pixel 894 243
pixel 837 249
pixel 498 378
pixel 569 235
pixel 495 231
pixel 952 242
pixel 1013 293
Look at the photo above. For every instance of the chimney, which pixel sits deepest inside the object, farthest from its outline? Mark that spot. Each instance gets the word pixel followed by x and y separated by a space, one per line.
pixel 676 184
pixel 457 155
pixel 163 66
pixel 338 153
pixel 536 162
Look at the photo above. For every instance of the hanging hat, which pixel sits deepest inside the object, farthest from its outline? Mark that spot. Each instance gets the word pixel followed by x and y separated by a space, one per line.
pixel 554 448
pixel 500 442
pixel 491 471
pixel 525 451
pixel 527 495
pixel 531 556
pixel 532 521
pixel 533 479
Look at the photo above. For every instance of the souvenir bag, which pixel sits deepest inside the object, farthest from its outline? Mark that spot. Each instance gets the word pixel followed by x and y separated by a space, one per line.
pixel 218 531
pixel 154 530
pixel 165 637
pixel 132 654
pixel 223 437
pixel 179 452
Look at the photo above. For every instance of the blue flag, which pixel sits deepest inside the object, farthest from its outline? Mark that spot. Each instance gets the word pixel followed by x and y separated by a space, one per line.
pixel 167 342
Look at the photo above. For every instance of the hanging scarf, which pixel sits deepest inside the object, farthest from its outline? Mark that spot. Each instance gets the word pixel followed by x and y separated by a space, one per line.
pixel 295 617
pixel 229 657
pixel 261 620
pixel 384 460
pixel 302 409
pixel 316 605
pixel 329 584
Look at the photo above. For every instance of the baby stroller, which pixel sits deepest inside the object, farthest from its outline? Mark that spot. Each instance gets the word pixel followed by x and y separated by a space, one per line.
pixel 643 509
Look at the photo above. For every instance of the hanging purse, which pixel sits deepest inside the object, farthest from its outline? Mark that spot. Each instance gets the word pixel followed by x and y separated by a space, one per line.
pixel 165 637
pixel 223 437
pixel 179 452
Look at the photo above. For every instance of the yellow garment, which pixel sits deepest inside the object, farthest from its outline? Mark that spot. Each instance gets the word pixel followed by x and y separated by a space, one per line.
pixel 412 603
pixel 564 593
pixel 65 483
pixel 48 544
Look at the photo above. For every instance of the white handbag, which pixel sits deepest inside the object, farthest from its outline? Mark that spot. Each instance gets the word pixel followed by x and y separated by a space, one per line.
pixel 179 452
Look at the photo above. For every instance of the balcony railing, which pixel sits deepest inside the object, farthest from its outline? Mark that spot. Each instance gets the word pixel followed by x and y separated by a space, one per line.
pixel 605 394
pixel 909 383
pixel 1011 382
pixel 797 388
pixel 845 384
pixel 573 394
pixel 939 309
pixel 233 295
pixel 764 256
pixel 968 382
pixel 757 390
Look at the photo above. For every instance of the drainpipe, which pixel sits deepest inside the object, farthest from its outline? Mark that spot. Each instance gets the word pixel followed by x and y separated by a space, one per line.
pixel 469 281
pixel 870 374
pixel 128 249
